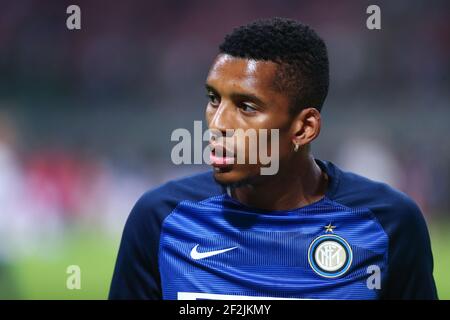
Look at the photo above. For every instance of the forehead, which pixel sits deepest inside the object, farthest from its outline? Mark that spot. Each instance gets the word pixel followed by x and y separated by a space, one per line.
pixel 246 74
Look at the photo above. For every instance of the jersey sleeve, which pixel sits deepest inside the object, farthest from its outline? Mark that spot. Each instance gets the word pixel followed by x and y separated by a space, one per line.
pixel 410 259
pixel 136 273
pixel 410 271
pixel 410 266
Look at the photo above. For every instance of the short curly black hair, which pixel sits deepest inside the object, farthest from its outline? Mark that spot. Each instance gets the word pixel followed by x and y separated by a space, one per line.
pixel 301 54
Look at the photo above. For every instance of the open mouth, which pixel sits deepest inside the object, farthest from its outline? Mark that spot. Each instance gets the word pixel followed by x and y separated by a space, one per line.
pixel 222 159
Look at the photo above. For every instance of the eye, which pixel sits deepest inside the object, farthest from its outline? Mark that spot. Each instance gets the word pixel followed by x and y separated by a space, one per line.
pixel 213 99
pixel 248 108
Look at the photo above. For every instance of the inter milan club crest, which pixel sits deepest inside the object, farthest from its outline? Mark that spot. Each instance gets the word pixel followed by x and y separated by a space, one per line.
pixel 329 255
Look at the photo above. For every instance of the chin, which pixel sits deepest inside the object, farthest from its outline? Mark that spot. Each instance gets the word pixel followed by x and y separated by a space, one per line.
pixel 234 177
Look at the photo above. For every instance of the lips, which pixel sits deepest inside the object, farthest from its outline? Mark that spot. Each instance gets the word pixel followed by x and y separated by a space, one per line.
pixel 221 161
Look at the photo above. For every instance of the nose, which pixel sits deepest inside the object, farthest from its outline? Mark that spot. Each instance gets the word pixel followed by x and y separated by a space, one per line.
pixel 222 118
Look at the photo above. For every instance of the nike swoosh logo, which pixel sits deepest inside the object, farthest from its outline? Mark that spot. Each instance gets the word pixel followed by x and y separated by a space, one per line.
pixel 201 255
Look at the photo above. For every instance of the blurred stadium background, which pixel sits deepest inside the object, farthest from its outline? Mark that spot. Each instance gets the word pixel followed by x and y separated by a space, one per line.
pixel 86 117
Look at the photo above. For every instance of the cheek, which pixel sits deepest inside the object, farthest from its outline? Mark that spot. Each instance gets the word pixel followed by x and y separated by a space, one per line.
pixel 278 140
pixel 284 144
pixel 209 113
pixel 263 144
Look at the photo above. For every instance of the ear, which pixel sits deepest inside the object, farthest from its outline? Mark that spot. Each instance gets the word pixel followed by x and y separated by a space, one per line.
pixel 306 126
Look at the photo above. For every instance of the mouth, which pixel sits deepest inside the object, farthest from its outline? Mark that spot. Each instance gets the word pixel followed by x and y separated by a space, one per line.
pixel 226 158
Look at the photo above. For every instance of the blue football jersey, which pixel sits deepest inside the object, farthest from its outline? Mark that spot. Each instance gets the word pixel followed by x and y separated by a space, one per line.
pixel 189 239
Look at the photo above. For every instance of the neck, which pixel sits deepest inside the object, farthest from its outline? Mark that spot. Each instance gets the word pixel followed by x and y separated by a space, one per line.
pixel 298 185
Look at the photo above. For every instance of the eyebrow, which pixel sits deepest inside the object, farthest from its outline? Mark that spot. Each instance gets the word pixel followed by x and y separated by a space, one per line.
pixel 240 96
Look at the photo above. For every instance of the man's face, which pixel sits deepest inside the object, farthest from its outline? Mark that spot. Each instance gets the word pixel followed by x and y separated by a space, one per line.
pixel 242 95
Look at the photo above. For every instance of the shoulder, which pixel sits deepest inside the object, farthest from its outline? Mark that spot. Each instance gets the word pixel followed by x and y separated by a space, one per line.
pixel 410 270
pixel 410 256
pixel 387 203
pixel 398 214
pixel 136 274
pixel 157 203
